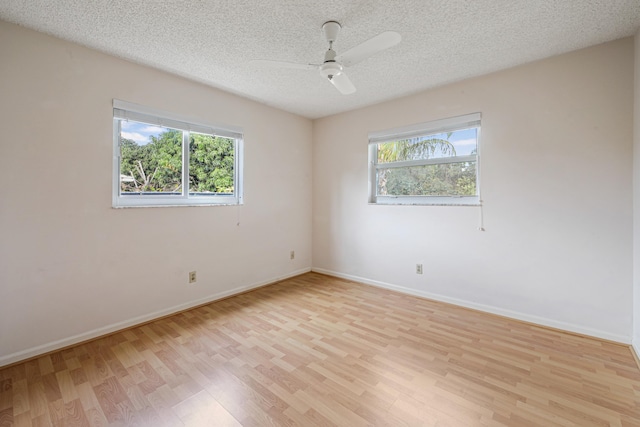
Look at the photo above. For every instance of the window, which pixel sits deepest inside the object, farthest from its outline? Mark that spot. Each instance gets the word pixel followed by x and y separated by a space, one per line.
pixel 433 163
pixel 164 160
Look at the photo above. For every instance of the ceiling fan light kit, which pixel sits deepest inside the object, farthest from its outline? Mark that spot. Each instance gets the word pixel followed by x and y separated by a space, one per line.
pixel 333 65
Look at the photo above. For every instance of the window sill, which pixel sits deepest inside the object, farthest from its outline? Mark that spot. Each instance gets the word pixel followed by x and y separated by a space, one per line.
pixel 167 202
pixel 175 206
pixel 427 201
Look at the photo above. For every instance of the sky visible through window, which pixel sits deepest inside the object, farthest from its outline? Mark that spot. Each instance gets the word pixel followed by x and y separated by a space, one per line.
pixel 140 132
pixel 464 141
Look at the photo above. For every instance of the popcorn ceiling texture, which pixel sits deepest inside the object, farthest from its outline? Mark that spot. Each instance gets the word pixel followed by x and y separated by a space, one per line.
pixel 443 40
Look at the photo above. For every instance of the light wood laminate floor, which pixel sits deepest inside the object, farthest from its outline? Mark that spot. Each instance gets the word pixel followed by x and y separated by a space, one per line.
pixel 316 350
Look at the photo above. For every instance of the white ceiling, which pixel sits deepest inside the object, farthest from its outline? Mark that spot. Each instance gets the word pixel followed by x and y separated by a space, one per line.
pixel 442 40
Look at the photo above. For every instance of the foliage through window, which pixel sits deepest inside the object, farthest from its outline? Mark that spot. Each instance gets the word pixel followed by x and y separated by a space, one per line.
pixel 430 163
pixel 162 161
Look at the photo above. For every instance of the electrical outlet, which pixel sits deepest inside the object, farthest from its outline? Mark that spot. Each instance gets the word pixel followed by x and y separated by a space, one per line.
pixel 192 277
pixel 418 268
pixel 292 255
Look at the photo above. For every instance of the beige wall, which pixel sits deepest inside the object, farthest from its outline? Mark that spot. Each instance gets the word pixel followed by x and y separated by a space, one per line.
pixel 71 267
pixel 556 182
pixel 636 197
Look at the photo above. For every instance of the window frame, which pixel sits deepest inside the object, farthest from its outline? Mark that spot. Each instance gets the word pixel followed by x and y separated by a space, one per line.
pixel 124 111
pixel 451 124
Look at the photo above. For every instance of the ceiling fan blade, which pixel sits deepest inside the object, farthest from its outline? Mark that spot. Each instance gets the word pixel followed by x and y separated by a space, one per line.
pixel 282 64
pixel 343 84
pixel 370 47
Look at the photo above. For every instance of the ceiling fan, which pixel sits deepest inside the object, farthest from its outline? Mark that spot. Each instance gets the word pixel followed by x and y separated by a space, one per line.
pixel 333 66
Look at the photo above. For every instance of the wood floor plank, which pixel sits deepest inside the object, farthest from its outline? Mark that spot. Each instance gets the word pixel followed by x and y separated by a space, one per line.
pixel 37 400
pixel 321 351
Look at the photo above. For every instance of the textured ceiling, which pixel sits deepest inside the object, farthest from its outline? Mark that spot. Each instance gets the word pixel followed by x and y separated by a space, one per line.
pixel 442 40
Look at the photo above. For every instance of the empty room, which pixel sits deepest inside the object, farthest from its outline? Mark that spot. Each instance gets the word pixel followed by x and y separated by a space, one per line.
pixel 339 213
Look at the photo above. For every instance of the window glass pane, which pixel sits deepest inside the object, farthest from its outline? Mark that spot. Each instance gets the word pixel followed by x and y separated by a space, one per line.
pixel 150 159
pixel 211 163
pixel 448 179
pixel 457 143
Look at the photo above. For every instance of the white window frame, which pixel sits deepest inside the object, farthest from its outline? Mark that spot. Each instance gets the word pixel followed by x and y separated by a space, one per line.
pixel 450 124
pixel 123 110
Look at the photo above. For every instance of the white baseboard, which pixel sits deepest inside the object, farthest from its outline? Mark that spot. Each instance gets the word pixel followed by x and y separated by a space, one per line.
pixel 109 329
pixel 635 348
pixel 569 327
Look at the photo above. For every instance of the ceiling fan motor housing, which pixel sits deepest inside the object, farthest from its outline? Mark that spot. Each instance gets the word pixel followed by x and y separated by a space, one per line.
pixel 330 69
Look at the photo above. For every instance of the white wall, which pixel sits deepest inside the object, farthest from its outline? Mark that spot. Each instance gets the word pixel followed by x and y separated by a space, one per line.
pixel 556 181
pixel 71 267
pixel 636 198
